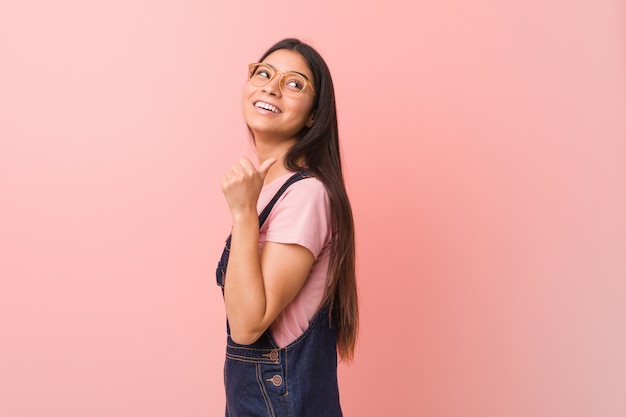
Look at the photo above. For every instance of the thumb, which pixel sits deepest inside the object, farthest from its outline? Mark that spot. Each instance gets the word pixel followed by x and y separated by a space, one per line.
pixel 265 166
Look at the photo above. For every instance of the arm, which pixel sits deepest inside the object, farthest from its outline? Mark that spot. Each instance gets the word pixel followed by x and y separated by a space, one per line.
pixel 257 286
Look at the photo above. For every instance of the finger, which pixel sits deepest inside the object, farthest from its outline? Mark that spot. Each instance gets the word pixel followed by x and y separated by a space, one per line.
pixel 236 168
pixel 238 172
pixel 225 182
pixel 247 165
pixel 265 166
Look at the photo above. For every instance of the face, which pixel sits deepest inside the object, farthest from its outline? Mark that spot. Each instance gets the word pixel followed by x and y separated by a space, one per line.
pixel 270 113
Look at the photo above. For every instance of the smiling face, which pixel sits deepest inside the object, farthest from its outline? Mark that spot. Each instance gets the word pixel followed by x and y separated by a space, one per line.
pixel 271 114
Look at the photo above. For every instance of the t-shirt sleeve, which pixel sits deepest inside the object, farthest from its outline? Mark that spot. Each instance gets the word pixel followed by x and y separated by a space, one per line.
pixel 301 217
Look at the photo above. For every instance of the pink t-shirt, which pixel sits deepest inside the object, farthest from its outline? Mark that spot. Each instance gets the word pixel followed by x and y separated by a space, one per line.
pixel 301 216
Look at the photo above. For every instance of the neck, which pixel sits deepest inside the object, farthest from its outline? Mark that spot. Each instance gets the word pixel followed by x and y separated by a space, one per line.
pixel 271 149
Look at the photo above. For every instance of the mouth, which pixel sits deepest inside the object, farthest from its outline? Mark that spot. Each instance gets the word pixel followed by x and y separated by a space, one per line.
pixel 266 106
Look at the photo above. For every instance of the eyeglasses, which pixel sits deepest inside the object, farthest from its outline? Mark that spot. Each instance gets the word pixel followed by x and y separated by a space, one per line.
pixel 291 83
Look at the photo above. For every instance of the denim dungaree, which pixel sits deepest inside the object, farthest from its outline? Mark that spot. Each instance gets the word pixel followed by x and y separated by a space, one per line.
pixel 299 380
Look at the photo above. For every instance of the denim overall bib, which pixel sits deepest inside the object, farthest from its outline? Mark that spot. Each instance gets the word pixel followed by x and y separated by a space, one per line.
pixel 299 380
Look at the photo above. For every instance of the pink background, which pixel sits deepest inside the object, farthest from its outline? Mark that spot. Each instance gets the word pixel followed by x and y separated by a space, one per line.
pixel 485 154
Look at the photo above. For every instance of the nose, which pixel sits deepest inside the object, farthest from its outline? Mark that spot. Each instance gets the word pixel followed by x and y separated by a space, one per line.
pixel 273 86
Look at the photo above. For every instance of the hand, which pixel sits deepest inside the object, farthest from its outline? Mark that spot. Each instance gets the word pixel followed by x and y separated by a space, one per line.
pixel 242 185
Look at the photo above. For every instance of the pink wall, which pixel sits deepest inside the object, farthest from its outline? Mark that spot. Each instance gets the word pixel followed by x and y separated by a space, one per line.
pixel 485 147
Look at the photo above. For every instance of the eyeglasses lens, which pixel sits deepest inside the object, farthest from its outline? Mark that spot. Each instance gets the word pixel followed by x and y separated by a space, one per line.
pixel 291 83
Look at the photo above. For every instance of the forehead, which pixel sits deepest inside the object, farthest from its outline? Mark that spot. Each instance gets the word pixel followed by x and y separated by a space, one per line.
pixel 285 60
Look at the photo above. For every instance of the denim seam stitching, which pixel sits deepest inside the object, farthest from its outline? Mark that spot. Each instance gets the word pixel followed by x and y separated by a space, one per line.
pixel 286 375
pixel 251 360
pixel 264 394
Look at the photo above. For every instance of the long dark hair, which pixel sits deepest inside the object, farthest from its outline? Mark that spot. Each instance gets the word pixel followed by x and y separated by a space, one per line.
pixel 318 146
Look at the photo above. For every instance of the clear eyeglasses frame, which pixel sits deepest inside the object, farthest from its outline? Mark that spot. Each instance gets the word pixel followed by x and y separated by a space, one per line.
pixel 291 83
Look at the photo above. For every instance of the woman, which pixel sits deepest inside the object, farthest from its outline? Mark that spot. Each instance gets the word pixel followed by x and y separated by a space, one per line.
pixel 289 287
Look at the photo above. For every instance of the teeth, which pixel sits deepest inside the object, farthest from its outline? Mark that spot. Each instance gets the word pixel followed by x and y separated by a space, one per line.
pixel 267 106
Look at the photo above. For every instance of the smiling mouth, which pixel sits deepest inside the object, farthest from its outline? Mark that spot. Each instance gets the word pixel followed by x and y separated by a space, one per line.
pixel 267 106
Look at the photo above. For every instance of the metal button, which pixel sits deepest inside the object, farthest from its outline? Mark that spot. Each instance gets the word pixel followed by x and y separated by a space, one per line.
pixel 277 380
pixel 274 355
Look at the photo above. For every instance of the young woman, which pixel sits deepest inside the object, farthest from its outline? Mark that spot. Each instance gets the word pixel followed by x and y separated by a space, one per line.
pixel 288 274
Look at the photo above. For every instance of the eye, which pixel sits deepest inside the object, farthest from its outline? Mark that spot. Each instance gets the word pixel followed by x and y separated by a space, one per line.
pixel 262 71
pixel 294 82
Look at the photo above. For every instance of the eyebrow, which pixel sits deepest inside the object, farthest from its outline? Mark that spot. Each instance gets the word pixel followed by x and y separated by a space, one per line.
pixel 286 72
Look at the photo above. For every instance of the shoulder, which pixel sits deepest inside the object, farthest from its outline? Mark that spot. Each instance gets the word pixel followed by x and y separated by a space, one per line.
pixel 310 184
pixel 308 191
pixel 301 216
pixel 303 201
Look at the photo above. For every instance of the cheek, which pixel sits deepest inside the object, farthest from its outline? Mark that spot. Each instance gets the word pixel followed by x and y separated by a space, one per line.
pixel 302 109
pixel 245 100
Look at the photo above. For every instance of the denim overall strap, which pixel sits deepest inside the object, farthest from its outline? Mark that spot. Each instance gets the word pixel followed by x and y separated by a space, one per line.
pixel 220 273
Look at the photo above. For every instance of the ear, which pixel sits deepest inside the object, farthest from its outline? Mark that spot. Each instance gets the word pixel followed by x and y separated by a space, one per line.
pixel 311 120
